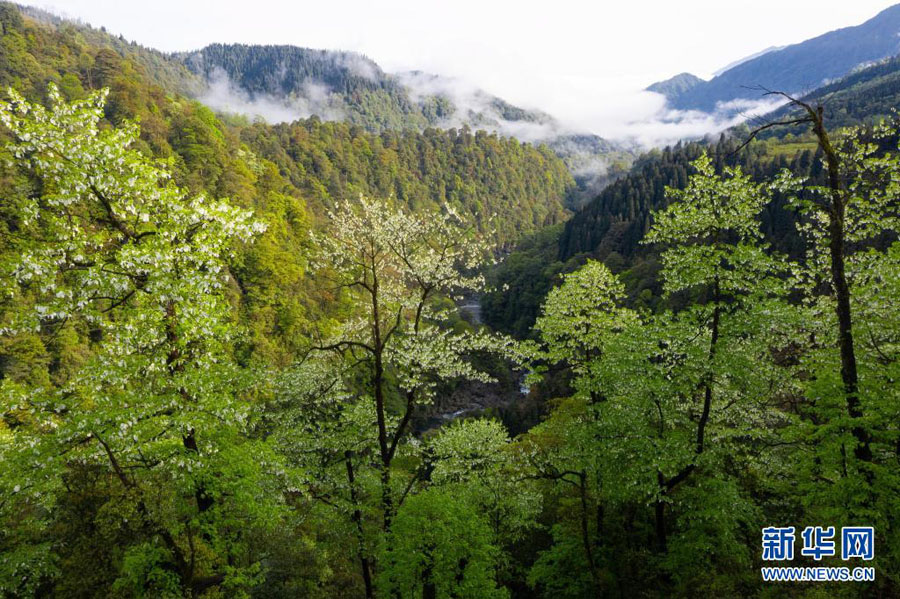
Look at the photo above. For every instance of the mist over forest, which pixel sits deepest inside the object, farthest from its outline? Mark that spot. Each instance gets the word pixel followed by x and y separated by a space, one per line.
pixel 276 322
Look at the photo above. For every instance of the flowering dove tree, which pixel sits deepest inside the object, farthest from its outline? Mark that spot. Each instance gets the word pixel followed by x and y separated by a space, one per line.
pixel 348 405
pixel 392 267
pixel 110 248
pixel 850 281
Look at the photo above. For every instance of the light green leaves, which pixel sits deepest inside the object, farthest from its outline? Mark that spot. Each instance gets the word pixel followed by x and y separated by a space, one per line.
pixel 442 542
pixel 580 317
pixel 111 248
pixel 711 233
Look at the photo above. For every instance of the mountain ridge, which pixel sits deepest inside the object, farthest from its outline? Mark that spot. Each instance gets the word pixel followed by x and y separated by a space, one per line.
pixel 673 87
pixel 799 67
pixel 283 82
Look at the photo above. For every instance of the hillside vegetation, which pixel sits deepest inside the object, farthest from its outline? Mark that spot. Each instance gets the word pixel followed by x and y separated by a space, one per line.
pixel 255 361
pixel 289 174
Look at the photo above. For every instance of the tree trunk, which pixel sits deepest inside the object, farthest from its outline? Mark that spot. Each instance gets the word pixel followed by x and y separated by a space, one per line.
pixel 429 589
pixel 357 520
pixel 585 534
pixel 708 384
pixel 660 516
pixel 378 390
pixel 836 247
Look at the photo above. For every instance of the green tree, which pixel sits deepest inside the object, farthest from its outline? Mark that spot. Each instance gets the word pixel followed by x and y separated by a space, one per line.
pixel 475 460
pixel 439 547
pixel 848 427
pixel 713 249
pixel 108 246
pixel 581 325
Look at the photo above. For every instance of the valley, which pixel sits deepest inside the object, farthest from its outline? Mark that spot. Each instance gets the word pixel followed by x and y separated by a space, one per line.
pixel 279 322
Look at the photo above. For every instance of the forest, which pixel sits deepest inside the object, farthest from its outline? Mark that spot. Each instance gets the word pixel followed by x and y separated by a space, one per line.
pixel 224 345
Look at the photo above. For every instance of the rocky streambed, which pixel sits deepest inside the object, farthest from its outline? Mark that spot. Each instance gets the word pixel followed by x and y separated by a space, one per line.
pixel 469 398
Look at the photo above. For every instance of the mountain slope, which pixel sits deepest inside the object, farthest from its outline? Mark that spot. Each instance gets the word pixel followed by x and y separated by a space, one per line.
pixel 610 228
pixel 676 86
pixel 735 63
pixel 799 67
pixel 283 83
pixel 157 66
pixel 619 217
pixel 865 96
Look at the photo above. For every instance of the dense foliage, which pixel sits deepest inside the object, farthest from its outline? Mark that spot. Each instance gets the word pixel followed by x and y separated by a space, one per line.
pixel 503 185
pixel 620 216
pixel 689 430
pixel 677 436
pixel 290 174
pixel 216 336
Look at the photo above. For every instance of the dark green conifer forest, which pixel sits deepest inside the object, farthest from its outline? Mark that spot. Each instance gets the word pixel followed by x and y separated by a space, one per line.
pixel 375 358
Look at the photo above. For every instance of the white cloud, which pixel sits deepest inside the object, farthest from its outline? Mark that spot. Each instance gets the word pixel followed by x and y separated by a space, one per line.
pixel 583 62
pixel 359 65
pixel 223 95
pixel 471 102
pixel 663 125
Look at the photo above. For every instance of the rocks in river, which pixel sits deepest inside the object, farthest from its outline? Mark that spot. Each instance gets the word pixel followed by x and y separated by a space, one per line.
pixel 524 386
pixel 471 311
pixel 467 398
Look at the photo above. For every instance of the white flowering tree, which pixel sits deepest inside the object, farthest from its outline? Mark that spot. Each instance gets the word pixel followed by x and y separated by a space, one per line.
pixel 392 269
pixel 344 412
pixel 850 336
pixel 110 250
pixel 660 399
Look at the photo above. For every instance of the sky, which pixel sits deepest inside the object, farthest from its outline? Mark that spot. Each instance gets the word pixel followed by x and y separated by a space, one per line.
pixel 584 62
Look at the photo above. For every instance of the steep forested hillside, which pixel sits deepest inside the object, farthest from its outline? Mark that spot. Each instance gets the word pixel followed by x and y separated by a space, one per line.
pixel 284 69
pixel 291 174
pixel 351 87
pixel 157 66
pixel 228 349
pixel 477 173
pixel 800 67
pixel 612 226
pixel 619 217
pixel 341 85
pixel 866 96
pixel 284 82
